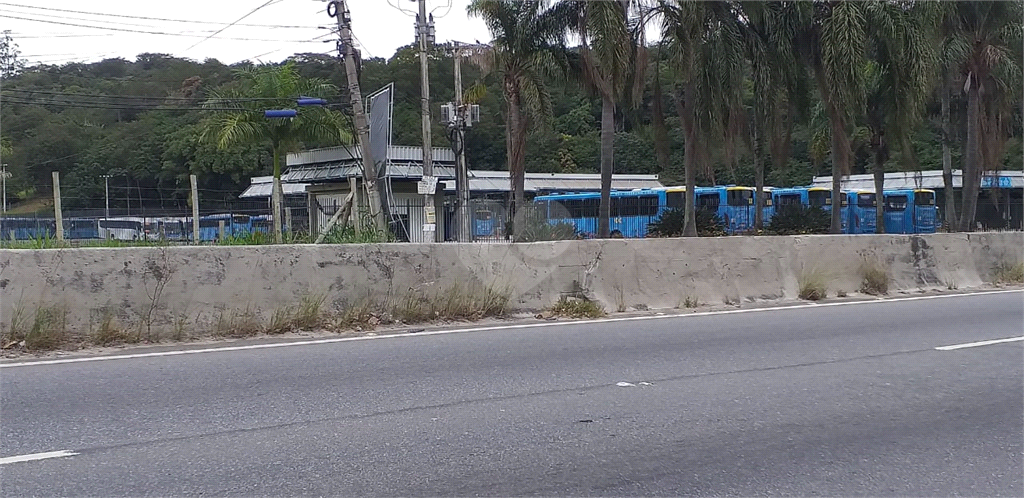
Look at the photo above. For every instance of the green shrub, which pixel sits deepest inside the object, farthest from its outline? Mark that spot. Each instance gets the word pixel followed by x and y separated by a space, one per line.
pixel 795 220
pixel 531 225
pixel 1006 273
pixel 672 222
pixel 875 279
pixel 577 308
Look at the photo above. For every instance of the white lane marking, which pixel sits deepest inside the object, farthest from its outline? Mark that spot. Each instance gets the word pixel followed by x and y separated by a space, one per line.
pixel 487 329
pixel 625 384
pixel 979 343
pixel 36 456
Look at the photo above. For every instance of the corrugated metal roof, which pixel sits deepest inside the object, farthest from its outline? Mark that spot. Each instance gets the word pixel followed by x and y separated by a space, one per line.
pixel 498 181
pixel 931 179
pixel 343 170
pixel 396 153
pixel 263 186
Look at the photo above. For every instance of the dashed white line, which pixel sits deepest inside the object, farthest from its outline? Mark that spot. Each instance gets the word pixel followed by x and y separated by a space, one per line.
pixel 36 456
pixel 979 343
pixel 490 328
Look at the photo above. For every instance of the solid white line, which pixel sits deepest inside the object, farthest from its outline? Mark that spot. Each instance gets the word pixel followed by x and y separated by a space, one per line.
pixel 36 456
pixel 486 329
pixel 980 343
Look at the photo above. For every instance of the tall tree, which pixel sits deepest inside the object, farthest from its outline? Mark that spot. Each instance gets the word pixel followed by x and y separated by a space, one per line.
pixel 261 88
pixel 983 45
pixel 708 51
pixel 613 60
pixel 527 47
pixel 898 81
pixel 11 62
pixel 831 38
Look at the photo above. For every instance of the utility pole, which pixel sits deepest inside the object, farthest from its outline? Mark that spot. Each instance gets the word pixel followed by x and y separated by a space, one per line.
pixel 338 10
pixel 424 26
pixel 462 169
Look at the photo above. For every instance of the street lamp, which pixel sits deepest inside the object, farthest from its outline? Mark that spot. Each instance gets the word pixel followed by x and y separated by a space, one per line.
pixel 5 175
pixel 106 194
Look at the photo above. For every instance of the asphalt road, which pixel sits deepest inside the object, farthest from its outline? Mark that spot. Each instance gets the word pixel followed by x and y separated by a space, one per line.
pixel 839 401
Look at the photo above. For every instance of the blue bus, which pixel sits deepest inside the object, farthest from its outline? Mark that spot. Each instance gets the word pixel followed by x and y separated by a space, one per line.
pixel 733 204
pixel 631 210
pixel 209 226
pixel 27 228
pixel 81 228
pixel 909 211
pixel 862 212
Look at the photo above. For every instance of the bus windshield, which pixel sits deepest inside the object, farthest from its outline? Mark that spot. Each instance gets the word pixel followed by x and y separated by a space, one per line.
pixel 819 198
pixel 741 198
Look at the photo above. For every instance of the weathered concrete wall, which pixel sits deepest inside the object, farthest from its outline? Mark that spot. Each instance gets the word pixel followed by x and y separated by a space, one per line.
pixel 200 283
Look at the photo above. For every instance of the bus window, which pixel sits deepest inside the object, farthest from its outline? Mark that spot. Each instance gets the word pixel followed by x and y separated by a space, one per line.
pixel 675 200
pixel 635 206
pixel 866 200
pixel 708 201
pixel 896 203
pixel 820 198
pixel 740 197
pixel 784 200
pixel 924 198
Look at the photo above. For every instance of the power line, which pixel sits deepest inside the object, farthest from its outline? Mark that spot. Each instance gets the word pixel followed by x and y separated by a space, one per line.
pixel 282 26
pixel 130 107
pixel 126 30
pixel 141 97
pixel 219 31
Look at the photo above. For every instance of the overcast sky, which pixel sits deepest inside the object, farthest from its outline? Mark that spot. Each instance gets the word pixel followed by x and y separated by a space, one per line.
pixel 90 30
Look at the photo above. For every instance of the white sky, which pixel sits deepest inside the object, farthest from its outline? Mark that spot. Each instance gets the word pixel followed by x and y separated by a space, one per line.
pixel 285 27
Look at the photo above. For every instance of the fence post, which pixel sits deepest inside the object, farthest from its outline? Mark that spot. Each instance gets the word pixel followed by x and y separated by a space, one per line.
pixel 56 206
pixel 288 219
pixel 356 222
pixel 220 229
pixel 195 208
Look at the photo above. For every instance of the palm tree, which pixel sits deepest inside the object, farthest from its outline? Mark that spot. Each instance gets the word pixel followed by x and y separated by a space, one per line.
pixel 613 61
pixel 777 88
pixel 708 49
pixel 259 88
pixel 984 47
pixel 897 82
pixel 527 47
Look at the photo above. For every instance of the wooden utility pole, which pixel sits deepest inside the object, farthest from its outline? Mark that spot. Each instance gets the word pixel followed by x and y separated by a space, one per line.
pixel 423 28
pixel 338 10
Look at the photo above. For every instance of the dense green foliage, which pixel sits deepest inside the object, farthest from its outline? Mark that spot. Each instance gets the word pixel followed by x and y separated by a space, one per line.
pixel 141 120
pixel 795 220
pixel 671 223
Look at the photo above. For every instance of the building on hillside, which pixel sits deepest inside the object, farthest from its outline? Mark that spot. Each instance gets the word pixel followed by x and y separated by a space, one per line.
pixel 1000 201
pixel 328 175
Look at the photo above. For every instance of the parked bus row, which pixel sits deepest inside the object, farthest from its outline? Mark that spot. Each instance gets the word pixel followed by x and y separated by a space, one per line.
pixel 130 228
pixel 905 211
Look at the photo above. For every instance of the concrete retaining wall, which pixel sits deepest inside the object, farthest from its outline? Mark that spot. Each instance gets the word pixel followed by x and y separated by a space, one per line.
pixel 200 283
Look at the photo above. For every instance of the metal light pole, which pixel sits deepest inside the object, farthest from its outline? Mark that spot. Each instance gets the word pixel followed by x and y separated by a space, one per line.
pixel 106 194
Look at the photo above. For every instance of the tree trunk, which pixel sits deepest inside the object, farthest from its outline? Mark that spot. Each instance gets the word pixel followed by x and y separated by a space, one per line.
pixel 607 152
pixel 879 175
pixel 758 179
pixel 661 147
pixel 275 197
pixel 949 208
pixel 683 106
pixel 840 156
pixel 515 143
pixel 972 158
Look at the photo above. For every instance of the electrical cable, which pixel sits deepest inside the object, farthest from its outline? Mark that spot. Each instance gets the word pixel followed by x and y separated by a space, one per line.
pixel 157 18
pixel 126 30
pixel 142 97
pixel 219 31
